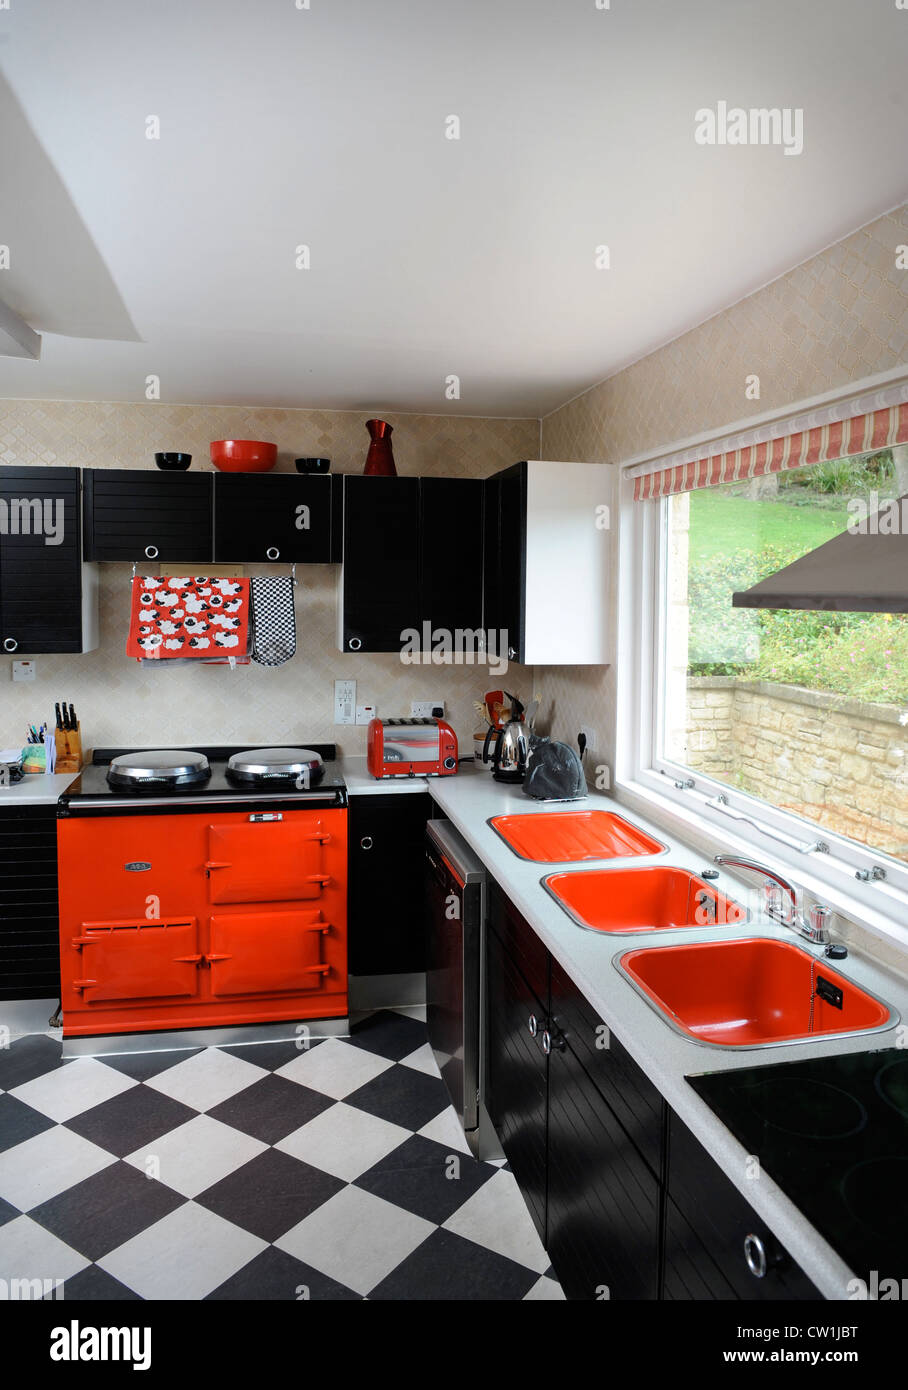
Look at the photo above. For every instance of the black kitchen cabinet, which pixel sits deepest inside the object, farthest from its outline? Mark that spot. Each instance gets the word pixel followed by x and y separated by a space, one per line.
pixel 450 553
pixel 517 1095
pixel 603 1198
pixel 29 923
pixel 284 516
pixel 592 1195
pixel 136 514
pixel 412 555
pixel 379 595
pixel 48 600
pixel 504 561
pixel 716 1247
pixel 385 907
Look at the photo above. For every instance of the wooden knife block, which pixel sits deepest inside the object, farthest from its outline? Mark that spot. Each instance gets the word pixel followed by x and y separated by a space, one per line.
pixel 69 749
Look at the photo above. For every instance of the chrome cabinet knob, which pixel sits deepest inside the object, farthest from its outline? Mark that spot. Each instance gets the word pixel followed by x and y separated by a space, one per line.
pixel 272 553
pixel 532 1025
pixel 10 644
pixel 151 551
pixel 355 643
pixel 366 842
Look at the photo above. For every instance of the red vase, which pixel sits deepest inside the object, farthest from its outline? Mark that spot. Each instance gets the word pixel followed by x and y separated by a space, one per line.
pixel 380 458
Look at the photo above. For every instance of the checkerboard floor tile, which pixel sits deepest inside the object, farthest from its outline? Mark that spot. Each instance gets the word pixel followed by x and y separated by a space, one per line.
pixel 264 1172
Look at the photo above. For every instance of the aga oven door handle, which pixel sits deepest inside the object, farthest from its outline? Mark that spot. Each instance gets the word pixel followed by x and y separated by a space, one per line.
pixel 216 864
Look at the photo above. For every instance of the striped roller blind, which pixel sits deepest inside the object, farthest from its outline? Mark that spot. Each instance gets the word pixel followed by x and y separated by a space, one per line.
pixel 860 426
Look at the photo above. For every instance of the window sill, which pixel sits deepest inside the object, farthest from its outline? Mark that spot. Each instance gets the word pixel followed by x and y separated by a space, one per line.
pixel 881 911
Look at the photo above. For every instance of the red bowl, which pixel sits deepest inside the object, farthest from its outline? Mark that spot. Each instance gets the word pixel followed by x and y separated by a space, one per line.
pixel 243 455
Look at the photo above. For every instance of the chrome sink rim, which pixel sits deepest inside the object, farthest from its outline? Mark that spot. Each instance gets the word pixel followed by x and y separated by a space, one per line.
pixel 672 1021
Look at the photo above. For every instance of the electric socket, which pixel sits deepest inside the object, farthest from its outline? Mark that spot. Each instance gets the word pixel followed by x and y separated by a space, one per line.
pixel 592 738
pixel 345 702
pixel 24 670
pixel 365 714
pixel 425 709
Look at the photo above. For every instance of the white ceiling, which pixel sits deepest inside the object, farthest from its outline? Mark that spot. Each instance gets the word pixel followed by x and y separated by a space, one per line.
pixel 282 126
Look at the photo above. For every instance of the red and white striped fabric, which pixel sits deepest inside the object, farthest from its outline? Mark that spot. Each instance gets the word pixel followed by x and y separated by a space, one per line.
pixel 857 434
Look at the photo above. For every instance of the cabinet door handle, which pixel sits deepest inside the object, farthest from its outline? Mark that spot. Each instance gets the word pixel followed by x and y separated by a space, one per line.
pixel 151 551
pixel 272 553
pixel 532 1025
pixel 755 1256
pixel 512 653
pixel 550 1042
pixel 355 643
pixel 366 842
pixel 10 644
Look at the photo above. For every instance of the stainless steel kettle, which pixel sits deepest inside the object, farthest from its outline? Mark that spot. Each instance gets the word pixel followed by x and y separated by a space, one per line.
pixel 510 753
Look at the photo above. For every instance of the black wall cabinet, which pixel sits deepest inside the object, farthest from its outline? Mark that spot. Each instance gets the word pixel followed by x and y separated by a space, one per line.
pixel 412 552
pixel 385 907
pixel 284 516
pixel 41 585
pixel 504 560
pixel 134 514
pixel 29 924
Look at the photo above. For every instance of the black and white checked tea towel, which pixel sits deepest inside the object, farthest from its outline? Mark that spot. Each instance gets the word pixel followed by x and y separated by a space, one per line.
pixel 273 620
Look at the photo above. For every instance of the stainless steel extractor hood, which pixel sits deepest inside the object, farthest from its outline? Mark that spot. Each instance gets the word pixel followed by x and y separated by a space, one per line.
pixel 864 570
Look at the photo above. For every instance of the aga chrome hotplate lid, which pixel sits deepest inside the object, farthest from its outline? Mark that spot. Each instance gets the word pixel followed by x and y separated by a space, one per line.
pixel 276 764
pixel 160 767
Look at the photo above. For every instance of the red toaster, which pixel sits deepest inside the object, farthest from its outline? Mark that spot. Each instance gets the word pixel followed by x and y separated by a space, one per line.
pixel 411 748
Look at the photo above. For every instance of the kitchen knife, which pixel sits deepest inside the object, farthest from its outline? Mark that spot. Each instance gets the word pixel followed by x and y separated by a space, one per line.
pixel 59 717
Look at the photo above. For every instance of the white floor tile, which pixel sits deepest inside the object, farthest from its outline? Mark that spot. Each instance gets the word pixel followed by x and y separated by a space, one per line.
pixel 545 1290
pixel 496 1216
pixel 343 1141
pixel 446 1129
pixel 41 1167
pixel 334 1067
pixel 207 1078
pixel 68 1090
pixel 196 1155
pixel 356 1238
pixel 28 1251
pixel 183 1256
pixel 423 1059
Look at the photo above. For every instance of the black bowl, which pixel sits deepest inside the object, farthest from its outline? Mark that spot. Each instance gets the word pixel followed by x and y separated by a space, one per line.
pixel 312 465
pixel 173 462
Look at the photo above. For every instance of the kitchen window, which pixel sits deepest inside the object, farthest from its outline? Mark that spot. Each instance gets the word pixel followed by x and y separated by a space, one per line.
pixel 787 729
pixel 805 710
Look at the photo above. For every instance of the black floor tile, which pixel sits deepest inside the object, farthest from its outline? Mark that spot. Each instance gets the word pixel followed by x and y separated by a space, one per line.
pixel 96 1284
pixel 141 1065
pixel 270 1055
pixel 104 1211
pixel 19 1122
pixel 271 1109
pixel 390 1034
pixel 275 1275
pixel 27 1058
pixel 269 1194
pixel 8 1212
pixel 403 1096
pixel 133 1118
pixel 426 1178
pixel 447 1267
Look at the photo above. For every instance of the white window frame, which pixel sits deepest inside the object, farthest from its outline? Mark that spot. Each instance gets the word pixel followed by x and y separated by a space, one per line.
pixel 648 782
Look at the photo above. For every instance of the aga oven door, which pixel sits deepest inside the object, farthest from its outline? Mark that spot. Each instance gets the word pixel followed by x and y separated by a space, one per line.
pixel 258 860
pixel 133 959
pixel 265 952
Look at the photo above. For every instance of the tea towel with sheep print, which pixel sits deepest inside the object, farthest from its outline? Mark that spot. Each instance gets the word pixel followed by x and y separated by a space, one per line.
pixel 273 620
pixel 188 618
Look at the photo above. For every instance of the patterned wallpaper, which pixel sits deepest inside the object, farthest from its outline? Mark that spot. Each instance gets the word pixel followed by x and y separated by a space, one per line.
pixel 839 317
pixel 121 702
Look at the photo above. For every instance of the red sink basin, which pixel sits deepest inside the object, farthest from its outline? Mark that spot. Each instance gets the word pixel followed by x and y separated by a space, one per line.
pixel 563 837
pixel 750 993
pixel 654 898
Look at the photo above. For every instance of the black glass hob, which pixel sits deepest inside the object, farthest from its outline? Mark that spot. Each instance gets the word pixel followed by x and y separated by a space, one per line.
pixel 833 1134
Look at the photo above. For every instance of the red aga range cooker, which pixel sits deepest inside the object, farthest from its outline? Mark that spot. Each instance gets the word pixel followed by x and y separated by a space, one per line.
pixel 202 888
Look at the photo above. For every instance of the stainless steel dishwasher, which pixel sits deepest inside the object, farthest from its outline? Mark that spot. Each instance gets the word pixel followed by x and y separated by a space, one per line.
pixel 455 977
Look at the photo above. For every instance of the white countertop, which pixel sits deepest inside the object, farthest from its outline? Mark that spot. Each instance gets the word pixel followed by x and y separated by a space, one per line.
pixel 360 781
pixel 37 789
pixel 471 797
